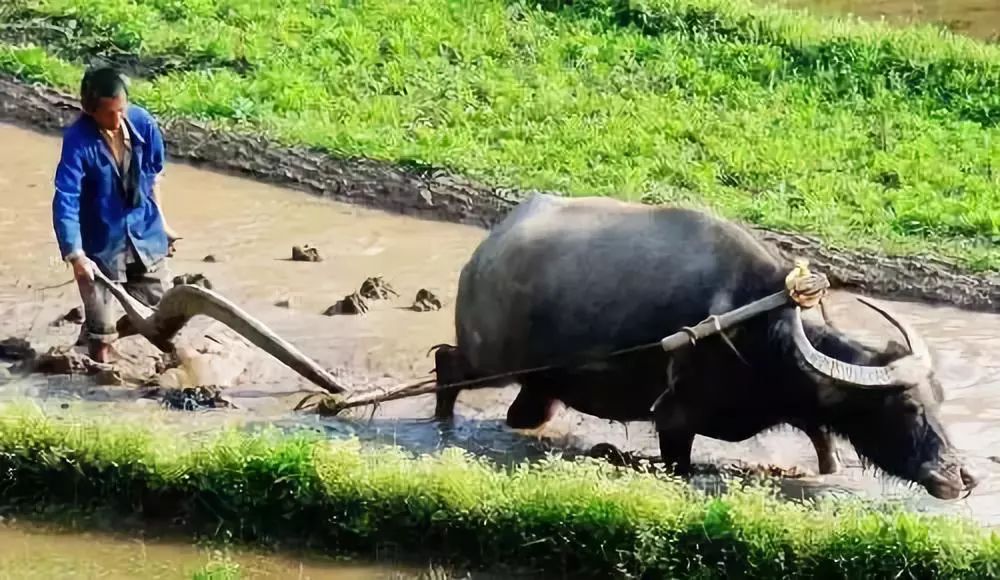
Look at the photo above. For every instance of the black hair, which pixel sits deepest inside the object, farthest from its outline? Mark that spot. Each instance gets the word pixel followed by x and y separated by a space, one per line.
pixel 102 82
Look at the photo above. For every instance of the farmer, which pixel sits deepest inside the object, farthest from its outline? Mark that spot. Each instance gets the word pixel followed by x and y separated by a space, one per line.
pixel 106 209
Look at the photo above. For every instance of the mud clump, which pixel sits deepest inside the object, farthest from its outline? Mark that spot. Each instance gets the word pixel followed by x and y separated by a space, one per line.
pixel 165 362
pixel 66 361
pixel 350 304
pixel 212 259
pixel 376 288
pixel 109 378
pixel 74 316
pixel 16 349
pixel 305 254
pixel 373 288
pixel 425 301
pixel 193 280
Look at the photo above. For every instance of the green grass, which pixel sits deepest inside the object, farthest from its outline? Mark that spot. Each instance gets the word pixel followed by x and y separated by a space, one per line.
pixel 560 516
pixel 866 136
pixel 218 570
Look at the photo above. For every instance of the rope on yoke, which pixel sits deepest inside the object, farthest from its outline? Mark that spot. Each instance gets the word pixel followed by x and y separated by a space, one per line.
pixel 802 288
pixel 805 288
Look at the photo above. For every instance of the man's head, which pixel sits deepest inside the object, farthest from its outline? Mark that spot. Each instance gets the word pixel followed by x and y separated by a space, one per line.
pixel 104 96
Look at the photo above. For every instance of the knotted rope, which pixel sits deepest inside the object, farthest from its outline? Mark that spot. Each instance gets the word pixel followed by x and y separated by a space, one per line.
pixel 805 288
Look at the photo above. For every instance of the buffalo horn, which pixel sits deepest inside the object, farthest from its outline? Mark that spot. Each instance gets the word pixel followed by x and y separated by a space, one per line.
pixel 857 375
pixel 918 348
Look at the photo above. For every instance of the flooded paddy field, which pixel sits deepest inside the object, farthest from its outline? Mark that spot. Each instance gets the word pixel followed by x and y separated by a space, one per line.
pixel 31 552
pixel 44 552
pixel 250 229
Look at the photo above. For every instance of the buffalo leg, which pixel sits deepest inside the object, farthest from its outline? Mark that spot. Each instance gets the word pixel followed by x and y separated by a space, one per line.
pixel 826 449
pixel 531 409
pixel 449 367
pixel 675 450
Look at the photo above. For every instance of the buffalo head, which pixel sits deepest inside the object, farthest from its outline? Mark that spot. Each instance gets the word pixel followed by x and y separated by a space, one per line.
pixel 886 404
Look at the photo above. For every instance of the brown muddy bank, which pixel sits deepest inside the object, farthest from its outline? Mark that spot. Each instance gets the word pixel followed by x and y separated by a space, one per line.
pixel 435 194
pixel 975 18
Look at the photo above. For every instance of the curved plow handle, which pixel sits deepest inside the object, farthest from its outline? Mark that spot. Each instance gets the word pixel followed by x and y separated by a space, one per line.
pixel 182 303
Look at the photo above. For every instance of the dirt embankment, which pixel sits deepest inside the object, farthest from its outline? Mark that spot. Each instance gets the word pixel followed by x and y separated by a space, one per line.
pixel 433 193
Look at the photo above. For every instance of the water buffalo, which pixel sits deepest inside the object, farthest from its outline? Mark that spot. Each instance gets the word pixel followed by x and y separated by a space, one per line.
pixel 558 277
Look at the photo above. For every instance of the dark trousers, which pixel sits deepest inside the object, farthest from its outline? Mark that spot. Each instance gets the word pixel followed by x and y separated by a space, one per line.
pixel 98 303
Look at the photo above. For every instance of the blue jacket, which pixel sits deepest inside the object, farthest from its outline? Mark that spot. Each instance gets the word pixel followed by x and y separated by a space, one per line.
pixel 97 210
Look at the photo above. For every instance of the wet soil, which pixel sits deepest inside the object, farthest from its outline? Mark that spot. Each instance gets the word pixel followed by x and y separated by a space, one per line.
pixel 254 224
pixel 436 194
pixel 975 18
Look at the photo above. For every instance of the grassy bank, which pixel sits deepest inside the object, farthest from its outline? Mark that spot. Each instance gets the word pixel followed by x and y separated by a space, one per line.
pixel 866 136
pixel 559 516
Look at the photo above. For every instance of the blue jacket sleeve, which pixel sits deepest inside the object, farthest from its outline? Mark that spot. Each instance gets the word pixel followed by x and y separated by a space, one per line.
pixel 156 148
pixel 66 201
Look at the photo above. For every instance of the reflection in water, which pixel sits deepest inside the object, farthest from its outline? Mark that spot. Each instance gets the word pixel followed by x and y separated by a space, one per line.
pixel 34 552
pixel 251 227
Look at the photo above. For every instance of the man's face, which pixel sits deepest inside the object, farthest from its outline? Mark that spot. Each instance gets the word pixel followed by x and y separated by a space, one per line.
pixel 109 112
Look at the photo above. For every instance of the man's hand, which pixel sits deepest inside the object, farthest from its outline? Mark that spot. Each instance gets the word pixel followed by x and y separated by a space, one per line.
pixel 83 268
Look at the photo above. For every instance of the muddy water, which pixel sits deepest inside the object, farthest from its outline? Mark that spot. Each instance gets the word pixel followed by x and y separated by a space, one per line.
pixel 30 552
pixel 251 227
pixel 976 18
